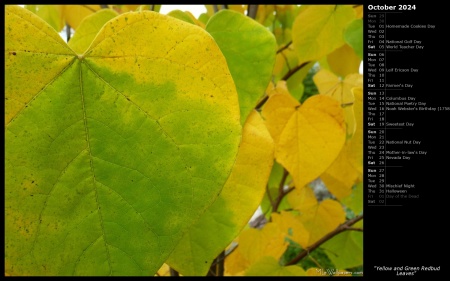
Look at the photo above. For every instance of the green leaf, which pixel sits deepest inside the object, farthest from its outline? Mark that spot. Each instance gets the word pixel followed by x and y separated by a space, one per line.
pixel 346 249
pixel 88 29
pixel 355 200
pixel 353 35
pixel 50 13
pixel 204 18
pixel 318 30
pixel 178 14
pixel 250 52
pixel 269 266
pixel 234 207
pixel 112 155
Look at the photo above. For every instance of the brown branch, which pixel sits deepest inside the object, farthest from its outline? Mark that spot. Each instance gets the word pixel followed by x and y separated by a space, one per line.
pixel 261 103
pixel 251 11
pixel 284 47
pixel 341 228
pixel 294 70
pixel 173 272
pixel 68 32
pixel 281 192
pixel 217 267
pixel 89 8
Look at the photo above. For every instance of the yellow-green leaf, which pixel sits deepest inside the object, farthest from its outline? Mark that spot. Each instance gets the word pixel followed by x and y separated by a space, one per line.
pixel 344 61
pixel 250 52
pixel 74 14
pixel 311 139
pixel 345 250
pixel 354 36
pixel 269 266
pixel 318 30
pixel 111 156
pixel 234 207
pixel 88 29
pixel 50 13
pixel 181 16
pixel 355 200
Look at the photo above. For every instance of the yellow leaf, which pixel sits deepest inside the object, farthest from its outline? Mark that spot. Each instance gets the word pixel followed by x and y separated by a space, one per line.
pixel 235 263
pixel 285 61
pixel 269 266
pixel 311 139
pixel 322 219
pixel 356 149
pixel 318 218
pixel 302 199
pixel 359 10
pixel 74 14
pixel 163 271
pixel 347 169
pixel 278 110
pixel 291 226
pixel 330 85
pixel 344 61
pixel 318 30
pixel 341 175
pixel 256 243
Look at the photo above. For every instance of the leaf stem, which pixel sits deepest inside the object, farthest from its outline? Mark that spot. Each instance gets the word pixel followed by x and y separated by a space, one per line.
pixel 284 47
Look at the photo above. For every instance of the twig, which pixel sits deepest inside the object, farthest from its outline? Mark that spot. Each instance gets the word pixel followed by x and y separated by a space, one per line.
pixel 294 70
pixel 284 47
pixel 173 272
pixel 341 228
pixel 251 11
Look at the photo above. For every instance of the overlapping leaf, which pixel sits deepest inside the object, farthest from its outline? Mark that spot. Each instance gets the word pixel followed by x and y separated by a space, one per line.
pixel 318 30
pixel 331 85
pixel 88 29
pixel 111 155
pixel 311 139
pixel 250 52
pixel 50 13
pixel 346 249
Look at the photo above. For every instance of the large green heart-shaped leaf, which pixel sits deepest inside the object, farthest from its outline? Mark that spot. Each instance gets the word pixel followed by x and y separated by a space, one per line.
pixel 232 210
pixel 250 52
pixel 113 154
